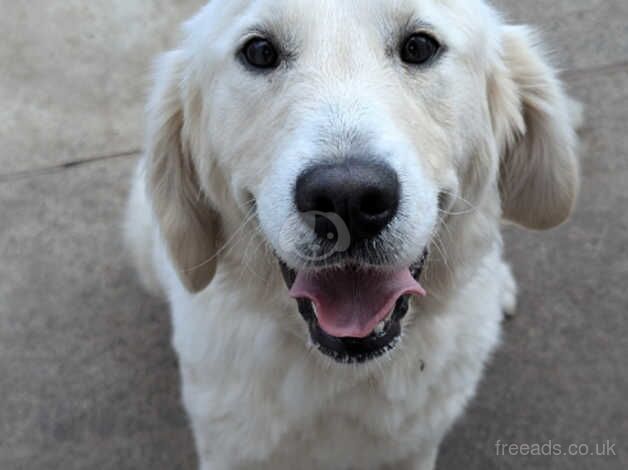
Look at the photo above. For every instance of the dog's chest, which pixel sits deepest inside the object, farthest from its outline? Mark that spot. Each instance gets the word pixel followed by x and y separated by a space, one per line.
pixel 277 418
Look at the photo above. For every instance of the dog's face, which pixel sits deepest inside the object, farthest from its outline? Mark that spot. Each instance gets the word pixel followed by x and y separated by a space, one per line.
pixel 351 130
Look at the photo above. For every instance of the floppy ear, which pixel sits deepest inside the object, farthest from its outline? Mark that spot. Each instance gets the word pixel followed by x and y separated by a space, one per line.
pixel 187 221
pixel 533 120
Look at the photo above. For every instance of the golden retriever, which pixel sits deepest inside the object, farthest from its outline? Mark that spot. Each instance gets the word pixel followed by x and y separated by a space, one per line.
pixel 320 200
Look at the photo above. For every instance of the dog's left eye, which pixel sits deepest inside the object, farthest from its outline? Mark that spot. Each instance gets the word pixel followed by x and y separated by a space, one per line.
pixel 261 54
pixel 419 49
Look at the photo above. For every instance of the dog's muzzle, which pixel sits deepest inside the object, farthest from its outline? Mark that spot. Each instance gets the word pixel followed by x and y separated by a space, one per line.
pixel 354 313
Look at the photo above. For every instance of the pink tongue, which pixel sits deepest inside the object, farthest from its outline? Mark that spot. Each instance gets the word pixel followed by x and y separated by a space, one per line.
pixel 350 303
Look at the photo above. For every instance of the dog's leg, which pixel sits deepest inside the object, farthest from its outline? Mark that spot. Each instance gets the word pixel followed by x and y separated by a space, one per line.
pixel 508 291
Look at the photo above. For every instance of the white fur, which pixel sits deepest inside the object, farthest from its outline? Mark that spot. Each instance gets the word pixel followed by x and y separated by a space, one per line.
pixel 488 126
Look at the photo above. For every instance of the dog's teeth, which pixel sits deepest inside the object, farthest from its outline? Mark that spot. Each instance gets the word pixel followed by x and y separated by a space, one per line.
pixel 379 329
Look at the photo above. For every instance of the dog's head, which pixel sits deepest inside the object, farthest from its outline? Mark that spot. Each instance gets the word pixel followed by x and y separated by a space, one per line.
pixel 351 133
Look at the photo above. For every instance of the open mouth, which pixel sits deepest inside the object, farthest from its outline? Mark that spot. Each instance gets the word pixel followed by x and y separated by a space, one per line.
pixel 354 313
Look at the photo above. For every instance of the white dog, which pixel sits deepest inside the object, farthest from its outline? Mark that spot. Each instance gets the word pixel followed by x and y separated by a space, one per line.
pixel 321 200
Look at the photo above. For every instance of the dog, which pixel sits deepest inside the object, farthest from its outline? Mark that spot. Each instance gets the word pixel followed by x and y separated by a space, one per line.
pixel 321 199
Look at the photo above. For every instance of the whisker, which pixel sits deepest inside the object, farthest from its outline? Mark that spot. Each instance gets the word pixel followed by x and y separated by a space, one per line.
pixel 471 207
pixel 246 256
pixel 460 198
pixel 232 240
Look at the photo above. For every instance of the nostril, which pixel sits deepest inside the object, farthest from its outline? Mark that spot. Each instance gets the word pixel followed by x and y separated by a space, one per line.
pixel 324 204
pixel 374 203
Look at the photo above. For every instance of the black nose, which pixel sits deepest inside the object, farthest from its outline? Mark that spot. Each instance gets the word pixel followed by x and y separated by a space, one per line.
pixel 364 194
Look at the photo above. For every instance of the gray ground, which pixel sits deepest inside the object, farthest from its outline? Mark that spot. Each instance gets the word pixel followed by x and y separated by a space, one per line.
pixel 87 377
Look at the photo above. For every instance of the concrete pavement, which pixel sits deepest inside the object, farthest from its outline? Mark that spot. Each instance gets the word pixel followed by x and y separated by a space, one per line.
pixel 87 376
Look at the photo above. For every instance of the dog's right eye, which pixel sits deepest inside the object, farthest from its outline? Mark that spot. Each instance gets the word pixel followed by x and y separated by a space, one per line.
pixel 419 49
pixel 261 53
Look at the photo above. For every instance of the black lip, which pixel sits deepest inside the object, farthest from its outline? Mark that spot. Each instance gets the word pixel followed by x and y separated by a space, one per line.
pixel 355 350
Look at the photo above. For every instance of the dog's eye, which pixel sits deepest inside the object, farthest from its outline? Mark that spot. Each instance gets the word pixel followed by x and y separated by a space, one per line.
pixel 419 49
pixel 261 54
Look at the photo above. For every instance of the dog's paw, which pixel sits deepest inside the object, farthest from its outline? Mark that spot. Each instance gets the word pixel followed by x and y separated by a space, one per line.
pixel 508 293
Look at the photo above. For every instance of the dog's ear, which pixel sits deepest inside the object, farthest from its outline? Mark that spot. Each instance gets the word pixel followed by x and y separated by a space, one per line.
pixel 533 120
pixel 188 224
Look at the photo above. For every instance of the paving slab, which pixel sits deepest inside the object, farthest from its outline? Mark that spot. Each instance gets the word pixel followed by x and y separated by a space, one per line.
pixel 580 34
pixel 74 75
pixel 89 379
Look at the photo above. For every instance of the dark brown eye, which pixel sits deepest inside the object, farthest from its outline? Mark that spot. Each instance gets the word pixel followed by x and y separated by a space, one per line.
pixel 261 54
pixel 419 49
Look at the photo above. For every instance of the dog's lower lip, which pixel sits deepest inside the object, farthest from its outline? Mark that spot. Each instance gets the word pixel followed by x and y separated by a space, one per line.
pixel 382 339
pixel 356 350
